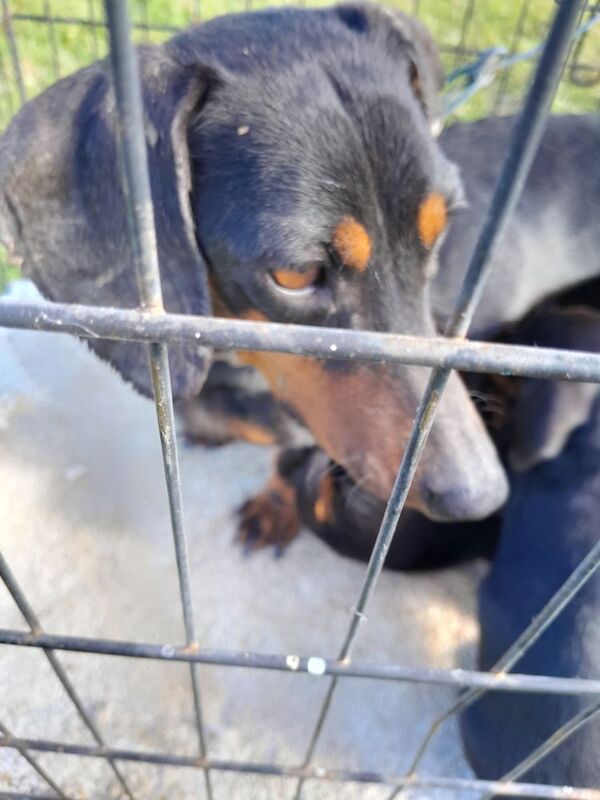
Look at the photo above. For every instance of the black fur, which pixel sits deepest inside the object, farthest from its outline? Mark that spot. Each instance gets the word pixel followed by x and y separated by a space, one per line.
pixel 552 241
pixel 550 433
pixel 264 130
pixel 550 524
pixel 61 206
pixel 62 211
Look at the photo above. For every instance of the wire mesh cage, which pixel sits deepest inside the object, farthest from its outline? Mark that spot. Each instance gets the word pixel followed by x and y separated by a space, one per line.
pixel 43 42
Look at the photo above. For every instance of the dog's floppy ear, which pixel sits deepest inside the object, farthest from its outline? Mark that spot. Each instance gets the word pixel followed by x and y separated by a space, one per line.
pixel 62 208
pixel 426 71
pixel 547 412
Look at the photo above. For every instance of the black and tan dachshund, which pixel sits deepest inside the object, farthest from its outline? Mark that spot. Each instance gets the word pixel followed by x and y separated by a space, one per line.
pixel 552 244
pixel 294 178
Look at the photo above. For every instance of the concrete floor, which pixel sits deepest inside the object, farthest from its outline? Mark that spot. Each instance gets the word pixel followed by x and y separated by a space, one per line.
pixel 84 526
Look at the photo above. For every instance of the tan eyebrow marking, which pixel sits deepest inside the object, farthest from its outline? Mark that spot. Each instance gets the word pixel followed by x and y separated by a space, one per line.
pixel 352 243
pixel 432 218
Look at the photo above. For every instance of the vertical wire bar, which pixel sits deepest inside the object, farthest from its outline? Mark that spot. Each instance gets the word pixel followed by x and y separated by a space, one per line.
pixel 576 581
pixel 52 40
pixel 13 50
pixel 35 625
pixel 125 70
pixel 525 140
pixel 542 90
pixel 513 47
pixel 32 762
pixel 8 98
pixel 196 10
pixel 464 30
pixel 577 72
pixel 92 16
pixel 145 19
pixel 550 744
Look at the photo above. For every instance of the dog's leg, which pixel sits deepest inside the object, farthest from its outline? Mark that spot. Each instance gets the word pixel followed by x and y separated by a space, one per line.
pixel 271 518
pixel 236 404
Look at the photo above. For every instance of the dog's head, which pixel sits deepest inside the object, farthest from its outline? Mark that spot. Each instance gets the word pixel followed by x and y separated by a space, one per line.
pixel 547 412
pixel 294 179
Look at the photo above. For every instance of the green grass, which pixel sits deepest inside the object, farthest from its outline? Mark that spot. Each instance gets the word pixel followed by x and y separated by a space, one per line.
pixel 493 23
pixel 8 272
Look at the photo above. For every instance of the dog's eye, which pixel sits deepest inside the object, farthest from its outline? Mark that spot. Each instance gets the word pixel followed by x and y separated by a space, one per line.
pixel 432 218
pixel 298 281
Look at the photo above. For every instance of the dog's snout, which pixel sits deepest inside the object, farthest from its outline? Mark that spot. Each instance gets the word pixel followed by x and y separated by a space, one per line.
pixel 461 476
pixel 469 498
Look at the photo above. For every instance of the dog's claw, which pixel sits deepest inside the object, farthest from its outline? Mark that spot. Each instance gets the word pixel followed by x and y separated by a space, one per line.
pixel 269 519
pixel 249 533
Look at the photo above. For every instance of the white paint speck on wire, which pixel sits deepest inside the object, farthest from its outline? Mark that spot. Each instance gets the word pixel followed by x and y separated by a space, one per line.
pixel 316 666
pixel 293 662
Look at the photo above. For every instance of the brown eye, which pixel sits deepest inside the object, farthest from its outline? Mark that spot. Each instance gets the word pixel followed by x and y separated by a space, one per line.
pixel 432 218
pixel 297 281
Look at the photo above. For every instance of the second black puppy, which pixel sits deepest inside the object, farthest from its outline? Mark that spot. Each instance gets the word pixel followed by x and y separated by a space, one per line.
pixel 550 524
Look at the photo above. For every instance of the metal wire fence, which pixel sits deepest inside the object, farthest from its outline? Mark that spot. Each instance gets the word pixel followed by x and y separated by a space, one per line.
pixel 158 329
pixel 47 39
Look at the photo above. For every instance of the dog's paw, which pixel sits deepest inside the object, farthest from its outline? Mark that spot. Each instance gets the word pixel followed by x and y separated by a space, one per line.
pixel 269 519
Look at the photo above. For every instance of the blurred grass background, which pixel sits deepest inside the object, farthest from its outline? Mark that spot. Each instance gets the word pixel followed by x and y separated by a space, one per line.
pixel 50 49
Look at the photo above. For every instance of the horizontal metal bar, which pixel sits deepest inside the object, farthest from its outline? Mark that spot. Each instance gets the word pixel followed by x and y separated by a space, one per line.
pixel 333 343
pixel 7 737
pixel 313 773
pixel 551 743
pixel 21 796
pixel 580 576
pixel 472 52
pixel 22 603
pixel 90 23
pixel 314 665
